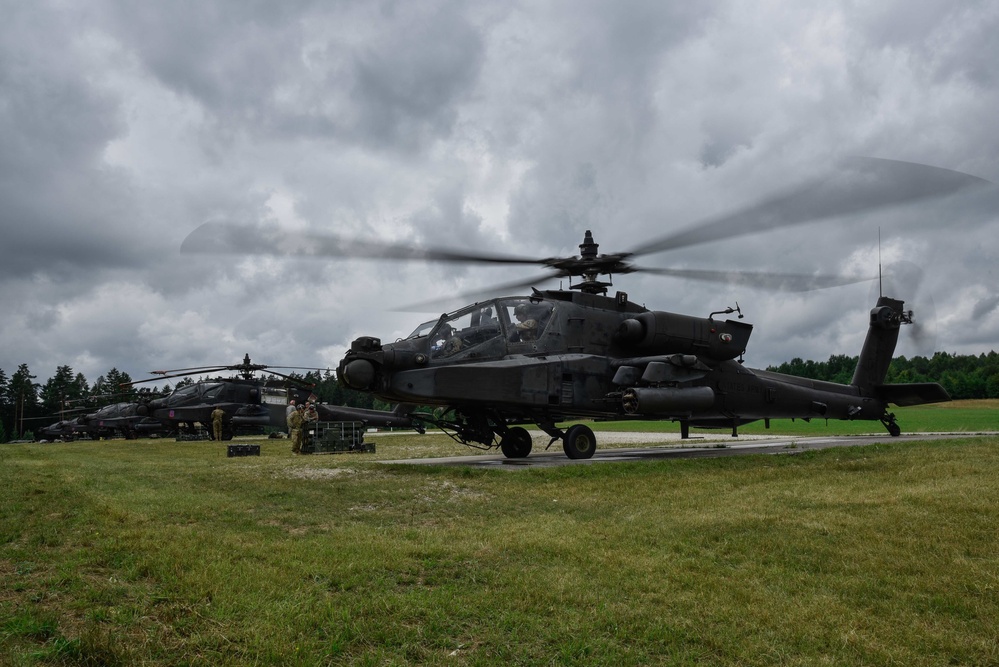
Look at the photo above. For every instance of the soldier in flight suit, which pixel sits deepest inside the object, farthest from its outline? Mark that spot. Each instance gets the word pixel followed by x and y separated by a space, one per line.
pixel 218 414
pixel 526 327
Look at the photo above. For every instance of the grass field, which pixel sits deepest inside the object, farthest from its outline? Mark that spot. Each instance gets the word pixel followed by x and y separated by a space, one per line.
pixel 165 553
pixel 953 417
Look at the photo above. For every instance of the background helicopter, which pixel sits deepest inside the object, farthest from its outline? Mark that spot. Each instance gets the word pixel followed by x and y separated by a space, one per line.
pixel 126 419
pixel 561 354
pixel 250 402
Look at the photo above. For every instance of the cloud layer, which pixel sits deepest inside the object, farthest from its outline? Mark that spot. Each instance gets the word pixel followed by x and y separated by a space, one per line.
pixel 491 126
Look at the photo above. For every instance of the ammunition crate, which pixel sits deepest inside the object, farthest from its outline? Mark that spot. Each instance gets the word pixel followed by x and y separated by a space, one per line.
pixel 243 450
pixel 334 438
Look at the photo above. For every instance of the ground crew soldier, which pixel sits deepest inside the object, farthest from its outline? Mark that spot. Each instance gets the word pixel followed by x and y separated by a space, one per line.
pixel 309 418
pixel 218 414
pixel 295 420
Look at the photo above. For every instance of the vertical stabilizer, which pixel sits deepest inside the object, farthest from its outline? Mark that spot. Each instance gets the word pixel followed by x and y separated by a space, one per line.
pixel 882 335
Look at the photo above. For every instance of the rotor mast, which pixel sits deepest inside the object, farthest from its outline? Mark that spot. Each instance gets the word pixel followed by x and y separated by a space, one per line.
pixel 590 267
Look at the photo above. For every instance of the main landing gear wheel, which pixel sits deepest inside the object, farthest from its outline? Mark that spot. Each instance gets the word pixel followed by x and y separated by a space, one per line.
pixel 579 442
pixel 516 444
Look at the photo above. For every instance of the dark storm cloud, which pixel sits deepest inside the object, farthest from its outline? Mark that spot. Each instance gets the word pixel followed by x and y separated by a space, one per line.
pixel 58 198
pixel 259 67
pixel 408 81
pixel 230 56
pixel 496 127
pixel 960 41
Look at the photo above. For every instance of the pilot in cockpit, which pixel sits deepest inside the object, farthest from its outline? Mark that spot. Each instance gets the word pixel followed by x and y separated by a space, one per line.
pixel 526 326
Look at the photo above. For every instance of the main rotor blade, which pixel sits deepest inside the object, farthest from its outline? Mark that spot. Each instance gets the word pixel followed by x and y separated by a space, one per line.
pixel 227 238
pixel 779 282
pixel 156 379
pixel 435 305
pixel 194 370
pixel 866 185
pixel 299 381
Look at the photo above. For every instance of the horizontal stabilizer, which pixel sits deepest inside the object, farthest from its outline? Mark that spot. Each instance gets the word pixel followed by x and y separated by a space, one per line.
pixel 916 393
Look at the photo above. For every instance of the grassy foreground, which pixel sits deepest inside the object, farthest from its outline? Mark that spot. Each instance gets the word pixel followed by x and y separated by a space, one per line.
pixel 157 552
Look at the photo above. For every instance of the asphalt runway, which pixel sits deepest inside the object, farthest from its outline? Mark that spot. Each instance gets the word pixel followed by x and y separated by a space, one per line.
pixel 540 458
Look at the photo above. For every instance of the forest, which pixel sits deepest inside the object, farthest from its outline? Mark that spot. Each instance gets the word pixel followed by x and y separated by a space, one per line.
pixel 26 404
pixel 963 376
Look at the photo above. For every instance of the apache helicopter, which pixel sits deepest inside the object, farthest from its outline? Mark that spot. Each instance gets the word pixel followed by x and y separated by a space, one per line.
pixel 558 355
pixel 65 430
pixel 129 419
pixel 126 419
pixel 248 401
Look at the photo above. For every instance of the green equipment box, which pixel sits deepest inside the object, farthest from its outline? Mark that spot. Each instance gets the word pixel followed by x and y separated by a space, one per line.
pixel 335 437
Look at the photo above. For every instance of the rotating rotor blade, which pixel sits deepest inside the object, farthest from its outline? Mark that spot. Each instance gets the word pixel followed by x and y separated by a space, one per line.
pixel 866 184
pixel 227 238
pixel 170 374
pixel 779 282
pixel 195 370
pixel 294 380
pixel 435 305
pixel 299 368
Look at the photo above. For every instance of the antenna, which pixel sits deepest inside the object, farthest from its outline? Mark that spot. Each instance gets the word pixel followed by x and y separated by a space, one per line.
pixel 881 289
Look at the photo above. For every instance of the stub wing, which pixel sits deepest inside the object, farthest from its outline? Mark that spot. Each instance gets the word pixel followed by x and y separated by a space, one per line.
pixel 916 393
pixel 398 418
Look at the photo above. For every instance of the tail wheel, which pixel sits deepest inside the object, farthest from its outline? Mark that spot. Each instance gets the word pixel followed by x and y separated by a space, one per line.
pixel 517 443
pixel 893 428
pixel 579 442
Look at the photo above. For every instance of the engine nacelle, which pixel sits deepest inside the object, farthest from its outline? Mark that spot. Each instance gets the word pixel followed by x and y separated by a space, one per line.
pixel 658 332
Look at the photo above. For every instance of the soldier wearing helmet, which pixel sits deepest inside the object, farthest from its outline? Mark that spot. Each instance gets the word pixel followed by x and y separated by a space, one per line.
pixel 526 326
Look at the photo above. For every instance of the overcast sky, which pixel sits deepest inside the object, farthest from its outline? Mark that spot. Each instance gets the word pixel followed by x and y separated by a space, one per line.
pixel 489 126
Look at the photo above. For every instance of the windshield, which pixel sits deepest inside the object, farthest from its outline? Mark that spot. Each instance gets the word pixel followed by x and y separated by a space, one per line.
pixel 464 330
pixel 187 390
pixel 422 330
pixel 213 391
pixel 528 319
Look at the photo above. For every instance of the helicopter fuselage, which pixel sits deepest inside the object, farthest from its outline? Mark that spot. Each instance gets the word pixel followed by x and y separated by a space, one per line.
pixel 559 355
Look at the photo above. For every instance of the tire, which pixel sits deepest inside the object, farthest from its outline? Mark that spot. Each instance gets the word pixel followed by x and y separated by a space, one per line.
pixel 517 443
pixel 579 442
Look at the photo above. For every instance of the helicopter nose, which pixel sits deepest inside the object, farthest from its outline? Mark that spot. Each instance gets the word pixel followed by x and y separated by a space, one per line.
pixel 359 374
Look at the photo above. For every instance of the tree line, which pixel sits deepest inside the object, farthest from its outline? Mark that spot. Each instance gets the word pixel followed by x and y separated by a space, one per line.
pixel 964 376
pixel 26 404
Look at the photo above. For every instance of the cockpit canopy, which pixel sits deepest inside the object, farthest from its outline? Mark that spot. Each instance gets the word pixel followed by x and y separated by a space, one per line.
pixel 515 320
pixel 194 393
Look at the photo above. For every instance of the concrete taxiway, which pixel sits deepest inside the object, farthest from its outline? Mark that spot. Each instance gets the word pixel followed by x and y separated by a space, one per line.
pixel 689 449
